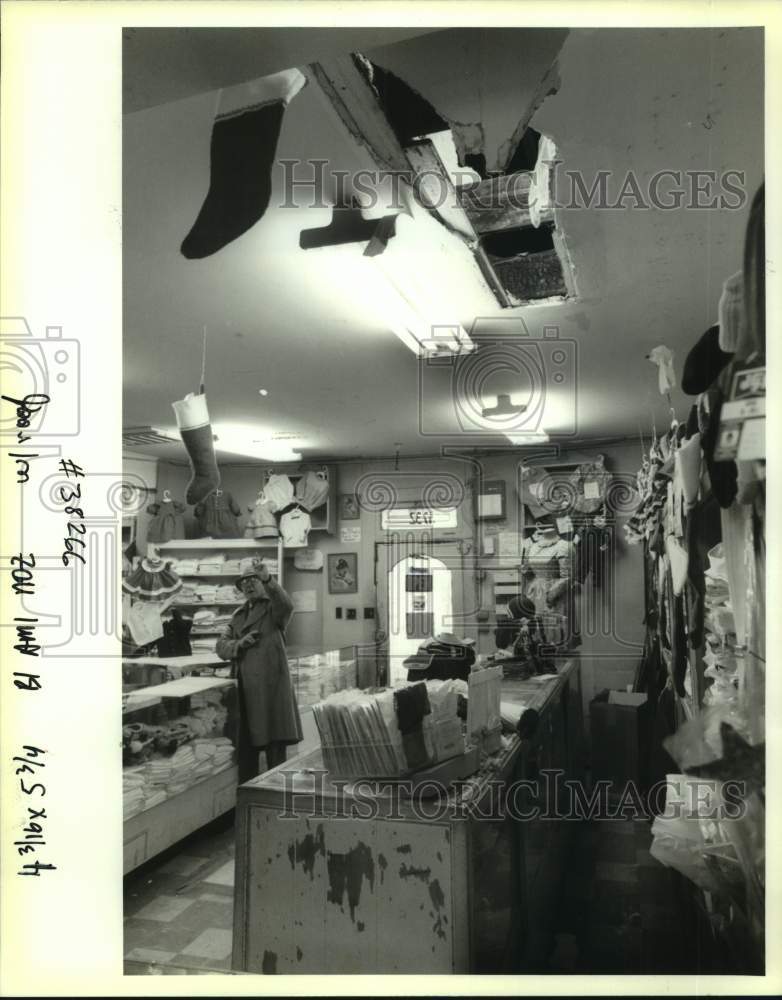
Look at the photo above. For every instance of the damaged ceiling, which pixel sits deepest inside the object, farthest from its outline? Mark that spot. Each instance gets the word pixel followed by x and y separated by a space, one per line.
pixel 315 327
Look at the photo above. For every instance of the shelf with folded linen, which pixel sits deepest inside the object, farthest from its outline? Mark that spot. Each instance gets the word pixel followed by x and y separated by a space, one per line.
pixel 175 735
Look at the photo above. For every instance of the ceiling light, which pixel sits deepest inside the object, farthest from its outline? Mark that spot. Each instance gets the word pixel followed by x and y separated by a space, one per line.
pixel 529 438
pixel 263 392
pixel 421 264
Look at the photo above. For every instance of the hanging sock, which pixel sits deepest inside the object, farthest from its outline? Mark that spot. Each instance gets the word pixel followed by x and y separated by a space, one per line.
pixel 192 419
pixel 244 141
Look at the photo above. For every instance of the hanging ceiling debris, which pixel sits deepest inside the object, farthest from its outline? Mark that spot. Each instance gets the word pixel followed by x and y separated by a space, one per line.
pixel 503 212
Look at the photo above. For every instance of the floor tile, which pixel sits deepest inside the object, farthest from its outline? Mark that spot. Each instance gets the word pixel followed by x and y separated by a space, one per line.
pixel 182 864
pixel 151 955
pixel 213 943
pixel 212 897
pixel 223 876
pixel 164 908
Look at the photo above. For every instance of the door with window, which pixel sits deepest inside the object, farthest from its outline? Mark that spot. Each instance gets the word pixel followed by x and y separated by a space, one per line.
pixel 424 587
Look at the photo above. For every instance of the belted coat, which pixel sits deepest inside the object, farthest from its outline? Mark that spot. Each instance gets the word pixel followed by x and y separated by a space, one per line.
pixel 267 699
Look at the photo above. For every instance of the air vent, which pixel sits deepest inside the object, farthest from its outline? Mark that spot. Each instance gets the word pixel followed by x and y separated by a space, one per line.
pixel 139 436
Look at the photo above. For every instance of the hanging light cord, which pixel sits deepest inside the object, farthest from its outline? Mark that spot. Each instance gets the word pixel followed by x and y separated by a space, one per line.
pixel 203 363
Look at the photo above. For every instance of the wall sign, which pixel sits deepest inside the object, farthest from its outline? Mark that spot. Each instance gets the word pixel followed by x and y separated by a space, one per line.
pixel 412 518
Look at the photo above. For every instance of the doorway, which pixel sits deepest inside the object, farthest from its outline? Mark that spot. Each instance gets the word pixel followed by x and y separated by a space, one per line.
pixel 423 588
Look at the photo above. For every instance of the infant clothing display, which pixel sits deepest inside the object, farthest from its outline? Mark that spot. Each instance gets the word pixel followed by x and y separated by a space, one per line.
pixel 278 492
pixel 152 579
pixel 312 490
pixel 168 520
pixel 262 522
pixel 295 528
pixel 216 516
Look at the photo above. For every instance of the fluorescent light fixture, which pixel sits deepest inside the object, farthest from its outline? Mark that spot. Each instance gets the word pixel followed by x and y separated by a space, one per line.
pixel 419 263
pixel 529 438
pixel 244 439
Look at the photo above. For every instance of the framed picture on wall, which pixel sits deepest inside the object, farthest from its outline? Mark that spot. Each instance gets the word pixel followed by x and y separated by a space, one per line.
pixel 348 507
pixel 343 572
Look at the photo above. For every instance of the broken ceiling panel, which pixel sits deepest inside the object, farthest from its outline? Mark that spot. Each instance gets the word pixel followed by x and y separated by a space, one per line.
pixel 486 83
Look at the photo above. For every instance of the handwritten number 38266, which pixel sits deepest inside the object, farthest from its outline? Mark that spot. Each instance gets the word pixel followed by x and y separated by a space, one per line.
pixel 76 526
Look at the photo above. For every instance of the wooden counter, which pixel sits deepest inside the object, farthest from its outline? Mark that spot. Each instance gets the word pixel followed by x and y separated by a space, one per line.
pixel 331 879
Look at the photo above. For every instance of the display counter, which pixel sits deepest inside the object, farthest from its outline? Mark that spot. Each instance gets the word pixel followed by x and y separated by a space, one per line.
pixel 331 879
pixel 179 769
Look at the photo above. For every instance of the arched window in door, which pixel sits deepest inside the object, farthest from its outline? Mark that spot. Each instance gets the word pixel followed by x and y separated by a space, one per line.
pixel 420 604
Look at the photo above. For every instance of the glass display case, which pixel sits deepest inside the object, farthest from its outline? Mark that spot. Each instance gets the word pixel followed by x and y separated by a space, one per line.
pixel 178 757
pixel 316 675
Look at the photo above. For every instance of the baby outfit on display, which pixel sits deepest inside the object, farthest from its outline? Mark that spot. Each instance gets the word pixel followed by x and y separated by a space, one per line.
pixel 262 522
pixel 295 528
pixel 216 516
pixel 168 520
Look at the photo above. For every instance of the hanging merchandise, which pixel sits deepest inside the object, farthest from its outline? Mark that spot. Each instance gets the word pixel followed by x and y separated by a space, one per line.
pixel 152 580
pixel 589 484
pixel 312 490
pixel 262 522
pixel 176 636
pixel 733 337
pixel 244 140
pixel 216 516
pixel 278 492
pixel 704 362
pixel 662 356
pixel 192 419
pixel 308 559
pixel 537 490
pixel 687 466
pixel 168 520
pixel 295 527
pixel 144 622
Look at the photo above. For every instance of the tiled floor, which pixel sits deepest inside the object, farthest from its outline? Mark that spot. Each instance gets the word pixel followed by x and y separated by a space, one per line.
pixel 179 909
pixel 619 911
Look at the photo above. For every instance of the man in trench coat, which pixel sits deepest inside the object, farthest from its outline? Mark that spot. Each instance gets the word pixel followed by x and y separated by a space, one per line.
pixel 255 640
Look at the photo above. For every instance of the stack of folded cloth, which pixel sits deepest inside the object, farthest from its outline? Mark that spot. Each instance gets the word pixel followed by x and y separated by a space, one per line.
pixel 226 592
pixel 204 618
pixel 443 657
pixel 310 673
pixel 231 567
pixel 182 766
pixel 223 755
pixel 212 563
pixel 206 592
pixel 155 798
pixel 185 567
pixel 204 644
pixel 188 593
pixel 133 790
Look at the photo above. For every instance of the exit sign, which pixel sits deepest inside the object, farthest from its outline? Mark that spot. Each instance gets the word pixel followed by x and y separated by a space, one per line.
pixel 412 518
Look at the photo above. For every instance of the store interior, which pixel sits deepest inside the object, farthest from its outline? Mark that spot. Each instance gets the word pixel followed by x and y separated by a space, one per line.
pixel 496 430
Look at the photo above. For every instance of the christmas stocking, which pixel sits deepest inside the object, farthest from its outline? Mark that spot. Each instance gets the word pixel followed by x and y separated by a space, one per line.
pixel 192 419
pixel 244 141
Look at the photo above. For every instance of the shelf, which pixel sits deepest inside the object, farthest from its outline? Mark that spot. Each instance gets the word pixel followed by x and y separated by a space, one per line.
pixel 207 544
pixel 185 687
pixel 206 604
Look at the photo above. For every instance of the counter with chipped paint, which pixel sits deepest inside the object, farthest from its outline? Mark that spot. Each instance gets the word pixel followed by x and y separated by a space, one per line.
pixel 334 876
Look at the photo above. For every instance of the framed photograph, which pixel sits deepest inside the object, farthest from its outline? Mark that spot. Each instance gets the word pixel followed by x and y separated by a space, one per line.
pixel 343 572
pixel 348 507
